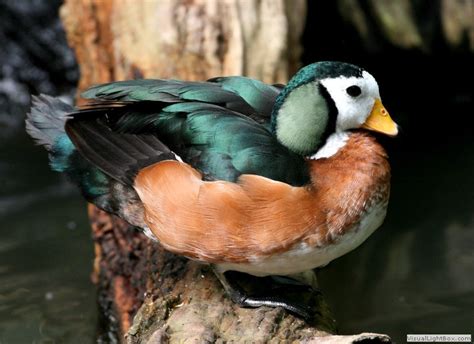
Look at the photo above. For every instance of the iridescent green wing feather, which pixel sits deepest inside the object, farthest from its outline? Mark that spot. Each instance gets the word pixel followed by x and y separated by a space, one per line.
pixel 220 127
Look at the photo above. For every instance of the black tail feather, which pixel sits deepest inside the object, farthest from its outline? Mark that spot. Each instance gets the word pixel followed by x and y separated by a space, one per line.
pixel 46 119
pixel 119 155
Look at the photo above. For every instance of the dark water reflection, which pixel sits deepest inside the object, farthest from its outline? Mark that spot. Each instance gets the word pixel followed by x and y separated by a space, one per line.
pixel 45 253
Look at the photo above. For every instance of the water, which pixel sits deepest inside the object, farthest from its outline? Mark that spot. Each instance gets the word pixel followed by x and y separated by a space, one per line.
pixel 46 295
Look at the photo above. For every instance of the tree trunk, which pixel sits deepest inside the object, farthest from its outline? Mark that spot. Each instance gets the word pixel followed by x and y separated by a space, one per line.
pixel 151 295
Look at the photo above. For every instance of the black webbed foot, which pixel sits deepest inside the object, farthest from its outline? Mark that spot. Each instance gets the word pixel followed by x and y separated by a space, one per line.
pixel 301 310
pixel 287 295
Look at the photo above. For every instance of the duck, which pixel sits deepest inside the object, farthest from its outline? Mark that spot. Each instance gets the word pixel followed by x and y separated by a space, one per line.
pixel 267 180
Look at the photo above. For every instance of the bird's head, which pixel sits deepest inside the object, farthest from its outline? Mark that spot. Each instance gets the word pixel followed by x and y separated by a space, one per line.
pixel 324 98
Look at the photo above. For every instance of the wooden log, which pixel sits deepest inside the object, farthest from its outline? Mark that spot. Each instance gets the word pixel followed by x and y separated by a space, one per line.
pixel 150 295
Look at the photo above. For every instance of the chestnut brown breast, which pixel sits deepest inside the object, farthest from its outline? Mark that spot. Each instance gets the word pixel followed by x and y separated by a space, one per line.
pixel 220 221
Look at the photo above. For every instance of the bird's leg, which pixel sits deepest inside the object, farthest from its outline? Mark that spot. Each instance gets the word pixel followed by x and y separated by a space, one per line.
pixel 305 279
pixel 240 296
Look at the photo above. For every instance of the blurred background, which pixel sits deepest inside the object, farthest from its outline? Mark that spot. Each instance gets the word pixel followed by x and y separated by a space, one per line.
pixel 414 275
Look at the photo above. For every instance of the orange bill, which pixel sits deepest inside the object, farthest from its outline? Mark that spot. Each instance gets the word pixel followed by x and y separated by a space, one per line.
pixel 380 121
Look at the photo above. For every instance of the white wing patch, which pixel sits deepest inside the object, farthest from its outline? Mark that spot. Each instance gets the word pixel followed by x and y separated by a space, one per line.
pixel 149 234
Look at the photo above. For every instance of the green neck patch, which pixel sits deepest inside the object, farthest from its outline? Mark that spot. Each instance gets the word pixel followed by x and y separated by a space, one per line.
pixel 302 119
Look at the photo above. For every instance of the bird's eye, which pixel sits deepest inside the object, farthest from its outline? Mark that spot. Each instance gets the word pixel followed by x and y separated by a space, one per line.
pixel 353 91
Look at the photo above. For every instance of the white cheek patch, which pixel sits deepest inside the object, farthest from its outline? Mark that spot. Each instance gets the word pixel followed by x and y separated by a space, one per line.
pixel 352 111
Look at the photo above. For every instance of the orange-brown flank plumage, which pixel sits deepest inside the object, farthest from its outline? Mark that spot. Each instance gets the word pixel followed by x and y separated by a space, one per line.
pixel 225 222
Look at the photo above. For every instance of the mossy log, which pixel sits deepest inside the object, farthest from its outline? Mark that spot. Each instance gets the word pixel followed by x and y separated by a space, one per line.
pixel 147 294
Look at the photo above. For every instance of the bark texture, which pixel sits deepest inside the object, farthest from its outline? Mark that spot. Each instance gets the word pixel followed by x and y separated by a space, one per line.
pixel 150 295
pixel 190 40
